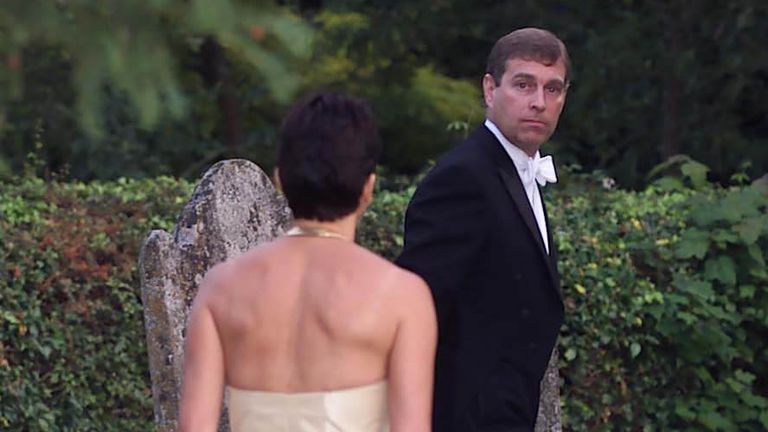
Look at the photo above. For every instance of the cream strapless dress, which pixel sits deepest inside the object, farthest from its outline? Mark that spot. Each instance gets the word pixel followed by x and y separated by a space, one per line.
pixel 357 409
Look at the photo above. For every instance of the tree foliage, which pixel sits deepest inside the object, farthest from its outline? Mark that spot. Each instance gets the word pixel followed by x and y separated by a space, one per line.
pixel 653 79
pixel 132 47
pixel 129 88
pixel 370 54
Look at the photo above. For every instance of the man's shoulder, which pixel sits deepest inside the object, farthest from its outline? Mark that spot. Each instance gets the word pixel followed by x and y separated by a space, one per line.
pixel 465 170
pixel 467 156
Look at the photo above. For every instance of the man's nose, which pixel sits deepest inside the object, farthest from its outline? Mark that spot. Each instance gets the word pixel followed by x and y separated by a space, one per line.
pixel 538 101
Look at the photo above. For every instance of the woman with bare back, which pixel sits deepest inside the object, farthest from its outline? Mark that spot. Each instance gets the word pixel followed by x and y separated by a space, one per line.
pixel 312 332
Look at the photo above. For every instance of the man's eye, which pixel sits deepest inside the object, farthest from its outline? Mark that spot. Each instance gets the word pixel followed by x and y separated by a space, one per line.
pixel 522 85
pixel 554 89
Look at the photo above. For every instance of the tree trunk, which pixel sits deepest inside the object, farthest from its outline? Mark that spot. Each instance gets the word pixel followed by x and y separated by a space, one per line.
pixel 671 119
pixel 216 72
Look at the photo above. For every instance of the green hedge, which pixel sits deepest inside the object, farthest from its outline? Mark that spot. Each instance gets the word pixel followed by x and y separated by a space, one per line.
pixel 666 294
pixel 72 351
pixel 666 309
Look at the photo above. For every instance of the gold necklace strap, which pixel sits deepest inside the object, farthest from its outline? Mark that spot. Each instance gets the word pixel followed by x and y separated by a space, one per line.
pixel 298 231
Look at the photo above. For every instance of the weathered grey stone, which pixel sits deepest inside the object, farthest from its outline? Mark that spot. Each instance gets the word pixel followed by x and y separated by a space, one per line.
pixel 548 419
pixel 164 314
pixel 233 208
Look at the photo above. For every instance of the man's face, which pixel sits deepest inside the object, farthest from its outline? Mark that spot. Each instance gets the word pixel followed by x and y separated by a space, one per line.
pixel 527 103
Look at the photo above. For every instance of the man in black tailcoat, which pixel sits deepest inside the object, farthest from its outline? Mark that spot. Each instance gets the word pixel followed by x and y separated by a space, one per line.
pixel 477 231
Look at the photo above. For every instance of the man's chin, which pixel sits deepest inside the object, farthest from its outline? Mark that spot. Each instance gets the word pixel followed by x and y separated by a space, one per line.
pixel 528 142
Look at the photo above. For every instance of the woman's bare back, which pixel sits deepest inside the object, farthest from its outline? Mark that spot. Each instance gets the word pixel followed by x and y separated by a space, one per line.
pixel 307 314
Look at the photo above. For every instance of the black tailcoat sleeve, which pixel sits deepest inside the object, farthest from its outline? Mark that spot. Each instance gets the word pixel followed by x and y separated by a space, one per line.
pixel 444 226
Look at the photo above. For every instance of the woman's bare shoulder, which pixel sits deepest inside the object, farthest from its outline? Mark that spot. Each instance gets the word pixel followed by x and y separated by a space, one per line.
pixel 228 273
pixel 401 284
pixel 394 275
pixel 414 288
pixel 411 281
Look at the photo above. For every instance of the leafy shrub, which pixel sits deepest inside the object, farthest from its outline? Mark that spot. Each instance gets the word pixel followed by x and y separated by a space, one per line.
pixel 665 293
pixel 72 351
pixel 381 228
pixel 666 307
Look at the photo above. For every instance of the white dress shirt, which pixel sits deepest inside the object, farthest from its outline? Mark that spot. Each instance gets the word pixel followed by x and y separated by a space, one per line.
pixel 525 165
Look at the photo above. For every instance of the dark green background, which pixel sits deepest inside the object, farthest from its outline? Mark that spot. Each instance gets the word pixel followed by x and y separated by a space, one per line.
pixel 652 79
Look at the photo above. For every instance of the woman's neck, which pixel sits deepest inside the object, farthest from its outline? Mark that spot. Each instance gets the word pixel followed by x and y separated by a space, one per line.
pixel 344 227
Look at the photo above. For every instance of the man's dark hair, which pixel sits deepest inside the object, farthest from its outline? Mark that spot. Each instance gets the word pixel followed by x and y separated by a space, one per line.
pixel 532 44
pixel 328 146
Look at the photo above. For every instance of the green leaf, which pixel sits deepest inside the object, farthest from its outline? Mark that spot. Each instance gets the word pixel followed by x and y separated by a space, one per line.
pixel 757 254
pixel 750 229
pixel 747 291
pixel 721 268
pixel 703 211
pixel 570 354
pixel 684 411
pixel 45 351
pixel 724 236
pixel 669 184
pixel 764 419
pixel 699 288
pixel 696 172
pixel 745 377
pixel 754 400
pixel 736 205
pixel 759 272
pixel 294 34
pixel 693 243
pixel 634 349
pixel 716 421
pixel 735 385
pixel 666 164
pixel 11 318
pixel 209 15
pixel 704 375
pixel 687 317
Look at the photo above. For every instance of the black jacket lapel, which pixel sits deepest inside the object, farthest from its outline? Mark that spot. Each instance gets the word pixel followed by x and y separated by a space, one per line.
pixel 515 189
pixel 514 186
pixel 552 249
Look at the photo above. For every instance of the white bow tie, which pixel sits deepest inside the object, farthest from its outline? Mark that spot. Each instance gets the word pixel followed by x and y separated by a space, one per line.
pixel 540 169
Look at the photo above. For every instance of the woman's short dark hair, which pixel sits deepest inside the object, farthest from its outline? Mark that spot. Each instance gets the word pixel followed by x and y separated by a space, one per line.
pixel 328 146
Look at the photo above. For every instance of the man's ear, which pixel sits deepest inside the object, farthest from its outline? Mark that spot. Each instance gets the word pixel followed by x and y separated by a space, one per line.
pixel 489 85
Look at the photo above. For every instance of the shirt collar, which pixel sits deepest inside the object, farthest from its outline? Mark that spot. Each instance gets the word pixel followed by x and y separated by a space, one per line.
pixel 518 156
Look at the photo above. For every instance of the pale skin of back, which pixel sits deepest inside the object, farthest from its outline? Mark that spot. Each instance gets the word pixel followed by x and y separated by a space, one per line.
pixel 305 314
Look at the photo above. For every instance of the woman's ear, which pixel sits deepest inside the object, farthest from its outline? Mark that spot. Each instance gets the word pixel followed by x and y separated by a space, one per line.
pixel 366 198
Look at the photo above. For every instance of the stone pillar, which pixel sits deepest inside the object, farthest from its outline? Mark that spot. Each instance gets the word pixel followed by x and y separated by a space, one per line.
pixel 548 418
pixel 233 208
